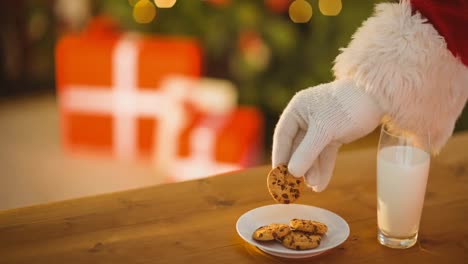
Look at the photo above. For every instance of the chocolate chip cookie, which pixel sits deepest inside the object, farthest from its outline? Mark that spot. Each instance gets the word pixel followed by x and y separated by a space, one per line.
pixel 299 240
pixel 271 232
pixel 313 227
pixel 283 186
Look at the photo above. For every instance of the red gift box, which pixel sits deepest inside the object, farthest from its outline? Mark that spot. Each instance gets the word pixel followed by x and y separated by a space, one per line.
pixel 109 93
pixel 113 100
pixel 214 144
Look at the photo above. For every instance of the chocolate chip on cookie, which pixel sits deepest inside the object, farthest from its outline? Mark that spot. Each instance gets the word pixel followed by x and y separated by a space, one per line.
pixel 299 240
pixel 309 226
pixel 283 186
pixel 271 232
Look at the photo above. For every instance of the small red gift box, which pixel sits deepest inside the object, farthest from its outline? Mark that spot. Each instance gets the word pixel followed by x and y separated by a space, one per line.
pixel 215 144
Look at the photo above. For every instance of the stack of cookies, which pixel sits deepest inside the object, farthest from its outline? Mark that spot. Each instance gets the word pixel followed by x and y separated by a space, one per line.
pixel 299 234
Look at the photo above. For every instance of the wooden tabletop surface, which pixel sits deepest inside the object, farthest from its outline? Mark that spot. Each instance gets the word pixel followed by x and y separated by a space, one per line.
pixel 195 221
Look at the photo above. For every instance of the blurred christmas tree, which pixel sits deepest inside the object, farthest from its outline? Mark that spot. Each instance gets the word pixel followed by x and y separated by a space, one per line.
pixel 255 44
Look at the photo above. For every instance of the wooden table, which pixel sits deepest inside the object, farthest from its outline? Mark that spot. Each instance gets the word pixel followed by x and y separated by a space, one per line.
pixel 194 222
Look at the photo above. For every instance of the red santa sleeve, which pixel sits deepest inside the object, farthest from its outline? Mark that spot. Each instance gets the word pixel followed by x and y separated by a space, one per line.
pixel 410 57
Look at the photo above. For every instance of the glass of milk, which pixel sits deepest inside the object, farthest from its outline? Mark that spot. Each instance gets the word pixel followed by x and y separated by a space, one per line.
pixel 402 170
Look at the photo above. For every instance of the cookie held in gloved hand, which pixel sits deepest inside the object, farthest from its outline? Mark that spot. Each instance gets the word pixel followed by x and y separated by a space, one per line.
pixel 316 122
pixel 283 186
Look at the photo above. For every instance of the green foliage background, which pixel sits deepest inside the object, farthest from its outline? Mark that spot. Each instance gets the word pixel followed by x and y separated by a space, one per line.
pixel 301 54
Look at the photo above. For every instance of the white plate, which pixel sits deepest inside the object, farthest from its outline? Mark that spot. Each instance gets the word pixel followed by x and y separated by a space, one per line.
pixel 338 229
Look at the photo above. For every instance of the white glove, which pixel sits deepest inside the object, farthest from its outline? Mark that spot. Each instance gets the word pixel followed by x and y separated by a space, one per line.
pixel 316 122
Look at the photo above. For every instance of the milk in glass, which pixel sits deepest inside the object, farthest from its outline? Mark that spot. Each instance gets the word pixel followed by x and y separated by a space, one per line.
pixel 401 182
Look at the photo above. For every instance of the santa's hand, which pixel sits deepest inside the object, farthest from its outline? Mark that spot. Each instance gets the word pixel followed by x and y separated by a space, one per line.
pixel 316 122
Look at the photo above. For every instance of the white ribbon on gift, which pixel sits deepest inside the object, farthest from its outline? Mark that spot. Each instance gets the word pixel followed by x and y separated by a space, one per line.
pixel 125 102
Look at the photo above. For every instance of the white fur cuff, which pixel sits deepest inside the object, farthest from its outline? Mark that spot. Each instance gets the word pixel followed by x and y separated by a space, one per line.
pixel 400 59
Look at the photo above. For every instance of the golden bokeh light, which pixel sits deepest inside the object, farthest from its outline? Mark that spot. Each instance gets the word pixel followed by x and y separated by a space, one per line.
pixel 330 7
pixel 144 11
pixel 165 3
pixel 300 11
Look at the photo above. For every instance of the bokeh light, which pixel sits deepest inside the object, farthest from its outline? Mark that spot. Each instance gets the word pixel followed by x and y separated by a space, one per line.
pixel 330 7
pixel 165 3
pixel 300 11
pixel 144 12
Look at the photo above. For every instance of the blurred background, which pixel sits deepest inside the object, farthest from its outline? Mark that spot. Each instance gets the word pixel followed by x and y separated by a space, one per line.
pixel 225 69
